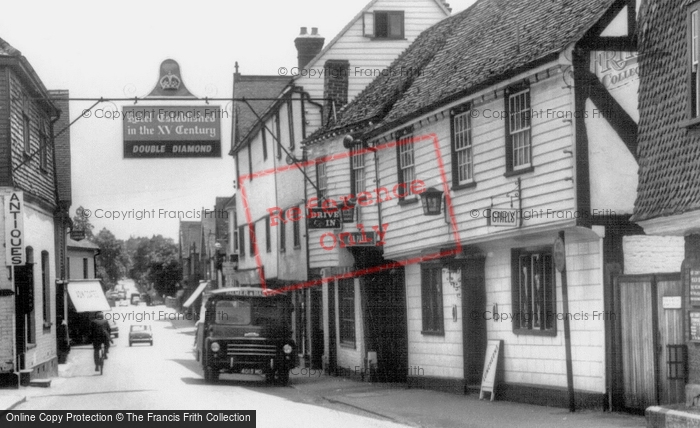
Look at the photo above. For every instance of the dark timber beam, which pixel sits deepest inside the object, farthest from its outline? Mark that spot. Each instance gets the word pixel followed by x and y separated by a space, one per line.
pixel 612 111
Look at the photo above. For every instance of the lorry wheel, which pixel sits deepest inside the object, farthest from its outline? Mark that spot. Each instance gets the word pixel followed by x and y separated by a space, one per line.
pixel 211 375
pixel 269 376
pixel 283 377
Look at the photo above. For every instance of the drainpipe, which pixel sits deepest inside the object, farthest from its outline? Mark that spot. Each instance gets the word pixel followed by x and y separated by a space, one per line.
pixel 567 334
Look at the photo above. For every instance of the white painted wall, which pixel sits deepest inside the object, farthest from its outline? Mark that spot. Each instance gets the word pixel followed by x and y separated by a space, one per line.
pixel 547 192
pixel 39 231
pixel 438 356
pixel 653 254
pixel 540 360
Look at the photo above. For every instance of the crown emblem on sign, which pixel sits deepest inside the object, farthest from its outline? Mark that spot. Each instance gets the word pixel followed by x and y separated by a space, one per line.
pixel 170 81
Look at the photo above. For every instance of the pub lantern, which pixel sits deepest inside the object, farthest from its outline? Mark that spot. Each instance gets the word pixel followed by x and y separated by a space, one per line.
pixel 432 201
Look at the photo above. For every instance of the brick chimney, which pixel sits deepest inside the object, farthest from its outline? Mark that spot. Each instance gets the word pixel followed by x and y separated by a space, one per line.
pixel 308 45
pixel 335 87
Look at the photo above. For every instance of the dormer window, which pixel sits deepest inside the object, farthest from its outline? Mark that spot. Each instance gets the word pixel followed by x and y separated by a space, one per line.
pixel 382 24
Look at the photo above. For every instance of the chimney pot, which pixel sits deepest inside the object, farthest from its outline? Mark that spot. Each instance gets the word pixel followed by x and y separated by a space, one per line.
pixel 308 46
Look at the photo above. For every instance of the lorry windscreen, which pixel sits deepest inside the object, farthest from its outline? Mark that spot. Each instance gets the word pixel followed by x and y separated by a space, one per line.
pixel 232 312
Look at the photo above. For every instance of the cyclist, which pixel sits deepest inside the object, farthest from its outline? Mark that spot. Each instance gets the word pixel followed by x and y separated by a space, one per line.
pixel 100 335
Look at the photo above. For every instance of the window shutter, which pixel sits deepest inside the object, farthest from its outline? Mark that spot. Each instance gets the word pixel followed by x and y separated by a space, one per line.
pixel 368 24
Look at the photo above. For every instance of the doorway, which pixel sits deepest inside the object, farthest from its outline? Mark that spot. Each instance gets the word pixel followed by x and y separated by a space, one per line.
pixel 650 343
pixel 316 327
pixel 386 323
pixel 474 340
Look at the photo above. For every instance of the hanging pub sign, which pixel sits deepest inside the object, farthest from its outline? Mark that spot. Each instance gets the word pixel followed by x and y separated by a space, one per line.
pixel 323 218
pixel 502 217
pixel 172 132
pixel 77 234
pixel 14 229
pixel 358 239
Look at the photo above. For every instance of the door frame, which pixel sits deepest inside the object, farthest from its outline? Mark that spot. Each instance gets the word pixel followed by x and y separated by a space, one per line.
pixel 618 386
pixel 473 274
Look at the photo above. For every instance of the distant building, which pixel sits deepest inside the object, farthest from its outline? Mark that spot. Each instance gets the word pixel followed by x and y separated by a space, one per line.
pixel 35 195
pixel 81 259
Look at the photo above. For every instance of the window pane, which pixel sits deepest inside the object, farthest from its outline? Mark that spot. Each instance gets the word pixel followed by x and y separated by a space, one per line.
pixel 463 146
pixel 519 121
pixel 694 46
pixel 322 180
pixel 406 161
pixel 346 294
pixel 234 312
pixel 381 24
pixel 396 25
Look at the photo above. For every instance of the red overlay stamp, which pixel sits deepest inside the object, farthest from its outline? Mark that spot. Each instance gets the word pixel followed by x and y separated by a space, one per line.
pixel 328 210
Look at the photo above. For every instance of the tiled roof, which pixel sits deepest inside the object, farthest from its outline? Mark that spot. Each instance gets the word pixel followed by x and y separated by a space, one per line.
pixel 466 52
pixel 669 155
pixel 254 87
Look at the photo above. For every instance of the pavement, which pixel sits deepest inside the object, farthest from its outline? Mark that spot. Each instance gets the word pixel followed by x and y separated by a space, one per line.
pixel 397 403
pixel 412 407
pixel 428 409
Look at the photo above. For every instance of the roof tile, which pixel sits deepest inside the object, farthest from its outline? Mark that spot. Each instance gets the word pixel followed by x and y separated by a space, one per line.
pixel 669 155
pixel 466 51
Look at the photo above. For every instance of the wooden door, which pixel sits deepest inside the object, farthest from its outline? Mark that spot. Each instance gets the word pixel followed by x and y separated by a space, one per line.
pixel 637 301
pixel 474 340
pixel 671 339
pixel 650 338
pixel 332 350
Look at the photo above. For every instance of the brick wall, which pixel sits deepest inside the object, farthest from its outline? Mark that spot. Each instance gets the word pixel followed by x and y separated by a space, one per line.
pixel 652 254
pixel 335 85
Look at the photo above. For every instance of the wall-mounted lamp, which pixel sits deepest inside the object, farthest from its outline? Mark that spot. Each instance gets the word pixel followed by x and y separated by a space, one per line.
pixel 432 201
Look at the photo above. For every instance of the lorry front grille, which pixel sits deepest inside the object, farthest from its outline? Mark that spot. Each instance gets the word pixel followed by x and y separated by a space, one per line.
pixel 250 348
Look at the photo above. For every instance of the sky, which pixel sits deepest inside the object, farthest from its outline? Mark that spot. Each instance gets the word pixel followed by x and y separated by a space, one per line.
pixel 114 49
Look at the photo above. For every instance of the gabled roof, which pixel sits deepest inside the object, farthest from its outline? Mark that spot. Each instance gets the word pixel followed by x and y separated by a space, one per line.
pixel 669 177
pixel 8 50
pixel 13 57
pixel 441 3
pixel 253 87
pixel 467 52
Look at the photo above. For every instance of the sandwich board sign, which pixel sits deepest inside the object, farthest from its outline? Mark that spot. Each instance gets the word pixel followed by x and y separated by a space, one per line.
pixel 488 379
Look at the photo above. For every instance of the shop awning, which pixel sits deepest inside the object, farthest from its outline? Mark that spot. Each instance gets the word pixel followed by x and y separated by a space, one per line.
pixel 197 292
pixel 88 296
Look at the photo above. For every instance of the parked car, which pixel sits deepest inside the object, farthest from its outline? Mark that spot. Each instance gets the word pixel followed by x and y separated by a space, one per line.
pixel 140 334
pixel 113 328
pixel 135 298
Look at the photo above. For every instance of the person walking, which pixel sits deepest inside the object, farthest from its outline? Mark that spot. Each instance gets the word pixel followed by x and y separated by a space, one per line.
pixel 100 335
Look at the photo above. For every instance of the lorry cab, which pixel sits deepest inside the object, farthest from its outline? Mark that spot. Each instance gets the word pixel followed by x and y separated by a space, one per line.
pixel 243 328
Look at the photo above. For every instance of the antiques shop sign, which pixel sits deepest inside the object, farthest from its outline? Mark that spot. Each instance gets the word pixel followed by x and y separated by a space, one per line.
pixel 14 229
pixel 172 132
